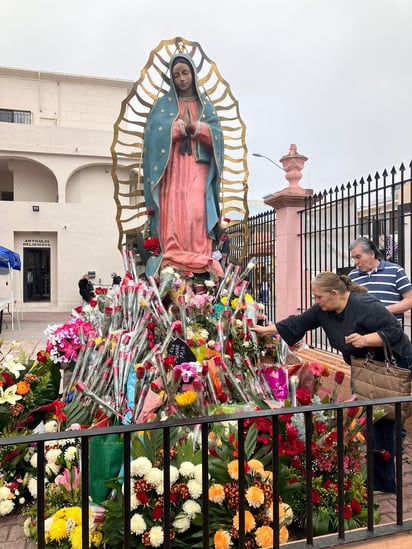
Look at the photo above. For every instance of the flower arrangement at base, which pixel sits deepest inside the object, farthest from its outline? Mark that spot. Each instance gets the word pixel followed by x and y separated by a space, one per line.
pixel 147 494
pixel 63 529
pixel 306 380
pixel 62 484
pixel 26 387
pixel 258 494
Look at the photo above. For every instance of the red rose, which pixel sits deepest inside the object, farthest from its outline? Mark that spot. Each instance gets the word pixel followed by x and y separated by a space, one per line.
pixel 352 412
pixel 42 356
pixel 339 377
pixel 303 396
pixel 152 245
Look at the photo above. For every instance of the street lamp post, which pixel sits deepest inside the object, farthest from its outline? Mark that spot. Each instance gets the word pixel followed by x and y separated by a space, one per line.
pixel 270 160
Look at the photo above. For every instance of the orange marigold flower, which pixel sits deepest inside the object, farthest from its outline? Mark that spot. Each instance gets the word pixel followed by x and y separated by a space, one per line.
pixel 264 537
pixel 233 469
pixel 22 388
pixel 255 466
pixel 217 493
pixel 250 522
pixel 283 535
pixel 255 496
pixel 222 539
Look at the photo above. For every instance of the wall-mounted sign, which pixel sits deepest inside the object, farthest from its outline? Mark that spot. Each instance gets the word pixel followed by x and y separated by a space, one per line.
pixel 36 243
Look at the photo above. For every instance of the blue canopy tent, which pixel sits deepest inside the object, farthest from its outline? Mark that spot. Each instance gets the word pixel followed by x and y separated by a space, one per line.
pixel 9 262
pixel 9 259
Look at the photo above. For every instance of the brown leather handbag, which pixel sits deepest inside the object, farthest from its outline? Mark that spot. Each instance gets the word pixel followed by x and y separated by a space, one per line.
pixel 375 379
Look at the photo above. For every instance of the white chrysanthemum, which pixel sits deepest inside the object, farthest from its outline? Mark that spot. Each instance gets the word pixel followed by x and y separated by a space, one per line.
pixel 51 426
pixel 156 536
pixel 154 477
pixel 187 469
pixel 4 492
pixel 52 468
pixel 134 502
pixel 71 453
pixel 195 488
pixel 174 474
pixel 189 333
pixel 140 467
pixel 160 489
pixel 22 500
pixel 53 455
pixel 181 523
pixel 33 461
pixel 191 508
pixel 137 524
pixel 6 507
pixel 32 486
pixel 198 473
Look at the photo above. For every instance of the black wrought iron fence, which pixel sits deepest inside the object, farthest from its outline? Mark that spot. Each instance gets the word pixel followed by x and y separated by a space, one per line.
pixel 377 207
pixel 261 248
pixel 203 424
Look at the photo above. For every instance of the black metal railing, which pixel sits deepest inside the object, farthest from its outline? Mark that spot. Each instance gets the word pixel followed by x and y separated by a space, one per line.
pixel 377 207
pixel 371 530
pixel 261 247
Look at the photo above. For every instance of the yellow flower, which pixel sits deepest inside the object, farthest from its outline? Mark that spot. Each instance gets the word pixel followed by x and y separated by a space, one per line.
pixel 99 340
pixel 186 398
pixel 255 496
pixel 74 513
pixel 222 540
pixel 264 537
pixel 234 303
pixel 255 466
pixel 249 298
pixel 58 529
pixel 233 469
pixel 250 522
pixel 97 538
pixel 76 537
pixel 216 493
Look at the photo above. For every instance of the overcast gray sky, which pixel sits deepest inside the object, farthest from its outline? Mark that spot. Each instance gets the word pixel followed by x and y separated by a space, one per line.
pixel 332 76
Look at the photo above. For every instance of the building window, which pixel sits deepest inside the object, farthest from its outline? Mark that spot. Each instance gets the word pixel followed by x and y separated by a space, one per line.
pixel 15 117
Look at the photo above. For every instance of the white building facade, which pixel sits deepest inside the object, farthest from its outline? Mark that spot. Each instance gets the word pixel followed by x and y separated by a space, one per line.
pixel 56 190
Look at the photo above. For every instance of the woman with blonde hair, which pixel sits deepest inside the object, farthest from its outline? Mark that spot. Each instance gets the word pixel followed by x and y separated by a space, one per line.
pixel 353 321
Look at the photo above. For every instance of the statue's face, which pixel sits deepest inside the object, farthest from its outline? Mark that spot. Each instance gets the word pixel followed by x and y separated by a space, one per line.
pixel 183 79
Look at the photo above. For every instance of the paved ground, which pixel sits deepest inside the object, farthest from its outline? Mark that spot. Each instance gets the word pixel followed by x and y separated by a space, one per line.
pixel 30 334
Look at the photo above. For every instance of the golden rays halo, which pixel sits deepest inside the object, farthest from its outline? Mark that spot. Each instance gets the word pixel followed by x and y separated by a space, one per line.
pixel 126 148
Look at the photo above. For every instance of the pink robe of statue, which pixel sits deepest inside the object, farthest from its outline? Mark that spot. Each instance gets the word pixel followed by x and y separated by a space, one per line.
pixel 185 243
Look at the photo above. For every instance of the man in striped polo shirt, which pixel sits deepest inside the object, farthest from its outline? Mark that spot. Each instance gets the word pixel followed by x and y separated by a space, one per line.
pixel 386 281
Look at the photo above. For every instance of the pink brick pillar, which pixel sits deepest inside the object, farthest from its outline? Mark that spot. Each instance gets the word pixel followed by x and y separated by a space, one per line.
pixel 287 203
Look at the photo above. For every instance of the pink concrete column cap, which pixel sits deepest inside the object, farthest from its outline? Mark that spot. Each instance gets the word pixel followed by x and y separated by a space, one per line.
pixel 293 164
